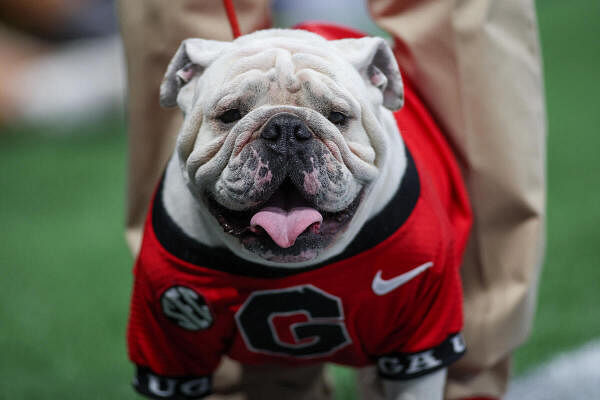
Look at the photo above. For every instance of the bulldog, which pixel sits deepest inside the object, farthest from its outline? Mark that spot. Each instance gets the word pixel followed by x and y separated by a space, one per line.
pixel 288 226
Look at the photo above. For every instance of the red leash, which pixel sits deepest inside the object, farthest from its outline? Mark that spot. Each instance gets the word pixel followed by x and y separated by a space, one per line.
pixel 233 22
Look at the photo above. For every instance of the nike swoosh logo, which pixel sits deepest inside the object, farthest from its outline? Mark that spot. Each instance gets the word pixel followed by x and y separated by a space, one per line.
pixel 381 286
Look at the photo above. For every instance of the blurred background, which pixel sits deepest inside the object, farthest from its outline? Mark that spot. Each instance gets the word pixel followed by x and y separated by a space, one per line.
pixel 64 268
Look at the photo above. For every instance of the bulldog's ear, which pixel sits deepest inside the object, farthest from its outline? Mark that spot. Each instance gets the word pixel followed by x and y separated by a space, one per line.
pixel 190 60
pixel 375 61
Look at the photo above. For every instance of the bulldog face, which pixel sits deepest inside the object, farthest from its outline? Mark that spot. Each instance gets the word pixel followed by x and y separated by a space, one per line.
pixel 281 139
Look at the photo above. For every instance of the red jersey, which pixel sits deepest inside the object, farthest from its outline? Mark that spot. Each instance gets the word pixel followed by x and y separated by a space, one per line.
pixel 392 297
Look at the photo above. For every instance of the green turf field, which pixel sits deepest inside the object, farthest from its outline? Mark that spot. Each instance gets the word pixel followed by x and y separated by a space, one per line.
pixel 65 270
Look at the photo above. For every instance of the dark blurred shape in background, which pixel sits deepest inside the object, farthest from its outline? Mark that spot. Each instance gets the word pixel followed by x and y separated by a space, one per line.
pixel 60 19
pixel 60 60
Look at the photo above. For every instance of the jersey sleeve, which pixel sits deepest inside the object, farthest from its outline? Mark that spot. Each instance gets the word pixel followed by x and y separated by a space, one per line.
pixel 409 365
pixel 180 387
pixel 168 364
pixel 425 332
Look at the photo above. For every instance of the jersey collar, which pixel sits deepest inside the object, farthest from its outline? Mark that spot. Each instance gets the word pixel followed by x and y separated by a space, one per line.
pixel 375 231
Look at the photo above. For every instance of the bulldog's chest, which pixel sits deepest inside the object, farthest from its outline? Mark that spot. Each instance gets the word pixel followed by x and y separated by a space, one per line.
pixel 347 312
pixel 392 298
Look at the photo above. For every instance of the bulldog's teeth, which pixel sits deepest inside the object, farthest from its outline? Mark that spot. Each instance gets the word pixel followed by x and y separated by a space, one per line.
pixel 239 231
pixel 341 217
pixel 227 227
pixel 315 228
pixel 257 229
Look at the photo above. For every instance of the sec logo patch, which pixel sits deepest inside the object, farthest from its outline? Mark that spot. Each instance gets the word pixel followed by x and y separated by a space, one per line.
pixel 186 308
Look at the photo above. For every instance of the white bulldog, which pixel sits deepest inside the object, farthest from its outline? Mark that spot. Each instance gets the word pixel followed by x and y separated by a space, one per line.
pixel 288 147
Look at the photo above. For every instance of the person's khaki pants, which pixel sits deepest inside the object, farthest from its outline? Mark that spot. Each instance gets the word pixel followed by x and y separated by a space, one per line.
pixel 477 65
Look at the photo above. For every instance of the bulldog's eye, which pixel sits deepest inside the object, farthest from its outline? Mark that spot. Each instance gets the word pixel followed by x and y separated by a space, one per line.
pixel 230 116
pixel 337 118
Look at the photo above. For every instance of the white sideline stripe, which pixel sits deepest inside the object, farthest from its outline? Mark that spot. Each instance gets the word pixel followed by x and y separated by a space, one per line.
pixel 569 376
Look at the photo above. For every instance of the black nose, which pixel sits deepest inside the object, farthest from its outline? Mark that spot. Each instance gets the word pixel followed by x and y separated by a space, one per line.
pixel 286 126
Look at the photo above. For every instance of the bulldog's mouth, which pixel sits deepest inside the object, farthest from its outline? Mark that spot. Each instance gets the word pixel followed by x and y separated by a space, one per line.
pixel 285 216
pixel 278 225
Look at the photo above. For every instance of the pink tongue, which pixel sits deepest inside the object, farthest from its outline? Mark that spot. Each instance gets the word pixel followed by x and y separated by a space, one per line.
pixel 285 226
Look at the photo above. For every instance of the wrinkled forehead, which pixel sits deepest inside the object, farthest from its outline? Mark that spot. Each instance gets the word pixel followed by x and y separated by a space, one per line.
pixel 283 58
pixel 290 66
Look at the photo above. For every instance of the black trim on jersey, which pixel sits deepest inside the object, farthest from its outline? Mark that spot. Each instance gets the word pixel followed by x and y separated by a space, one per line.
pixel 374 231
pixel 403 366
pixel 157 386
